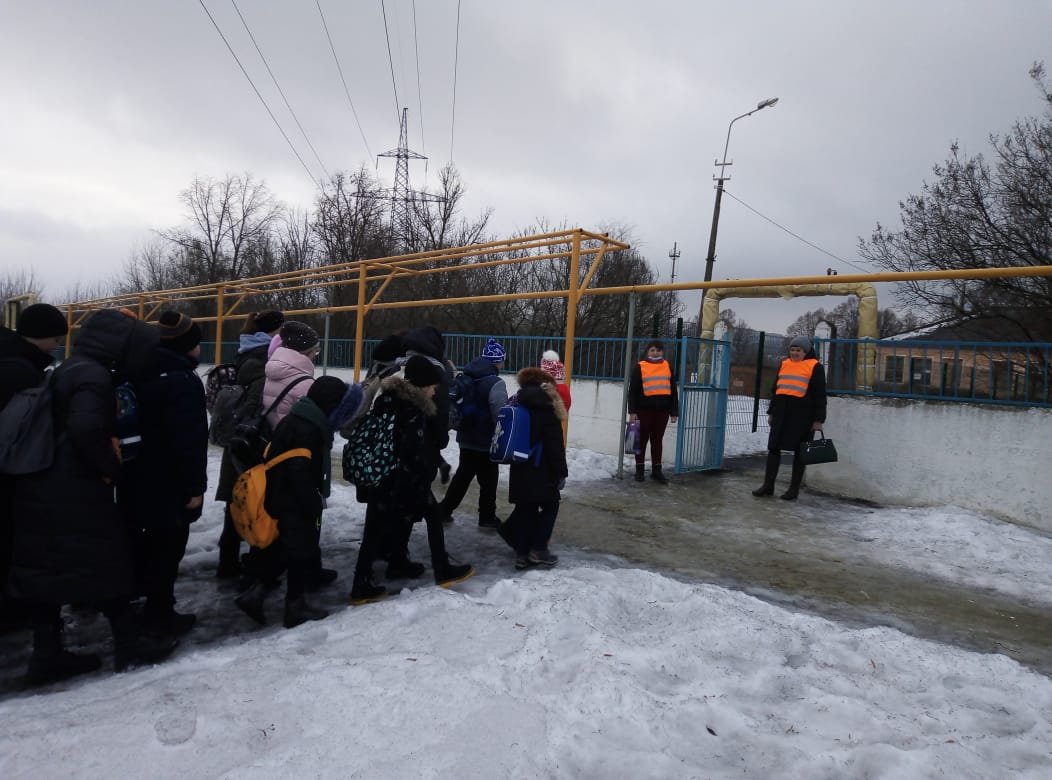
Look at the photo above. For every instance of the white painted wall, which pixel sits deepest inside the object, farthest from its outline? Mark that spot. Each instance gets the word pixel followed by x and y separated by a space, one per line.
pixel 993 459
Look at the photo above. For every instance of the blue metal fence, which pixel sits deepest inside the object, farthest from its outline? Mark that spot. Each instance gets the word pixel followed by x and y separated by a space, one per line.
pixel 1017 373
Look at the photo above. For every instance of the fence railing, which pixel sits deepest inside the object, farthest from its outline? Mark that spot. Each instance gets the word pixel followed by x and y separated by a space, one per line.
pixel 1017 373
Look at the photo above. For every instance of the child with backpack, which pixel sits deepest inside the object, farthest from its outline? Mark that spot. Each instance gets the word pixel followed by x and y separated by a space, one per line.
pixel 296 490
pixel 404 493
pixel 478 393
pixel 251 361
pixel 535 483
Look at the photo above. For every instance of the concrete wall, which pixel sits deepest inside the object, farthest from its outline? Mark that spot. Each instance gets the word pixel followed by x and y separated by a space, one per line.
pixel 993 459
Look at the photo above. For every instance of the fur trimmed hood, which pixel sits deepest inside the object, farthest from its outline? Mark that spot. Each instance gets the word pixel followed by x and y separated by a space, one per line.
pixel 539 378
pixel 397 386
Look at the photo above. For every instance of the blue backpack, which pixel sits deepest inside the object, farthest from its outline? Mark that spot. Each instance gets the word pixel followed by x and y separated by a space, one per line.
pixel 511 437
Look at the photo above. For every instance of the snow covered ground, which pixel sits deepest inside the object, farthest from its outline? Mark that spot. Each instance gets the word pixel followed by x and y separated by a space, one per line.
pixel 591 670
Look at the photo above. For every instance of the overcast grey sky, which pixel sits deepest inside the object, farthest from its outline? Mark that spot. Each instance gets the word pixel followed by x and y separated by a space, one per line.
pixel 593 113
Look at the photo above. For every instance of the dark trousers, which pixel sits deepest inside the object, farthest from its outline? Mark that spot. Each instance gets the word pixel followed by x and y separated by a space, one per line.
pixel 158 552
pixel 373 538
pixel 652 424
pixel 229 541
pixel 530 525
pixel 474 465
pixel 433 517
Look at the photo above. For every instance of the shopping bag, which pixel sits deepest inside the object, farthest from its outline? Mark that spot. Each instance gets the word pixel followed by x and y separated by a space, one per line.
pixel 632 438
pixel 818 451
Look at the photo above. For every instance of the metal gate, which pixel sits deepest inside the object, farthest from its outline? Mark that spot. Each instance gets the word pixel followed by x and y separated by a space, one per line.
pixel 705 366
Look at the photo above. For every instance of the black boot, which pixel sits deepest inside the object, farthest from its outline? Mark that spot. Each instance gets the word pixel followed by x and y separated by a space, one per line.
pixel 365 592
pixel 132 647
pixel 165 621
pixel 251 602
pixel 299 611
pixel 640 475
pixel 796 480
pixel 447 573
pixel 774 460
pixel 657 476
pixel 50 662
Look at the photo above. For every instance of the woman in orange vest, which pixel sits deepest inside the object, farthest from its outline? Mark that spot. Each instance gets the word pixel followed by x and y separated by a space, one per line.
pixel 653 401
pixel 796 411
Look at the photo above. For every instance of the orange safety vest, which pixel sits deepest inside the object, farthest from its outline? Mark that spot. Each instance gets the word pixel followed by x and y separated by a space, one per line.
pixel 794 376
pixel 657 377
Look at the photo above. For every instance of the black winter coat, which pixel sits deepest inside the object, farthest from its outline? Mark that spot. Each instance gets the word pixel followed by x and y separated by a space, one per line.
pixel 530 483
pixel 428 342
pixel 296 487
pixel 171 465
pixel 792 416
pixel 70 544
pixel 21 365
pixel 251 374
pixel 404 493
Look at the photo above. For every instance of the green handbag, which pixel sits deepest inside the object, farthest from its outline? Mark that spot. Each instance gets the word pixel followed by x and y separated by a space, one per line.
pixel 819 451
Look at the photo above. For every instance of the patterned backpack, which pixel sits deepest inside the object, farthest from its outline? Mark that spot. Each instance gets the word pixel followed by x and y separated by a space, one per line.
pixel 371 452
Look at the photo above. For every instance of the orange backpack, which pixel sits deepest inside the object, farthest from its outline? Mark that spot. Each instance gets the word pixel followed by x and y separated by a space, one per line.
pixel 251 519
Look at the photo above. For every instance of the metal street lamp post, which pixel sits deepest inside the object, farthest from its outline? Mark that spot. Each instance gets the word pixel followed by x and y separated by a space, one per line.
pixel 710 258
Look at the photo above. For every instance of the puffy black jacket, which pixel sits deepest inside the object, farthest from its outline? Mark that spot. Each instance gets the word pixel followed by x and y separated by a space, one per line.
pixel 251 374
pixel 70 543
pixel 540 483
pixel 171 465
pixel 406 491
pixel 295 488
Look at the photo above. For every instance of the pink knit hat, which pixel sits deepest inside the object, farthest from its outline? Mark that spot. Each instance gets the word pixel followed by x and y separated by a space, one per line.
pixel 550 362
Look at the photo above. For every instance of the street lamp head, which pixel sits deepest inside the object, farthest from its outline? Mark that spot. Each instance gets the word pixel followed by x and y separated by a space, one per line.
pixel 767 103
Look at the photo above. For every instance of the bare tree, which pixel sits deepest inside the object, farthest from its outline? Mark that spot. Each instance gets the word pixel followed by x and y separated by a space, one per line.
pixel 227 217
pixel 977 214
pixel 21 281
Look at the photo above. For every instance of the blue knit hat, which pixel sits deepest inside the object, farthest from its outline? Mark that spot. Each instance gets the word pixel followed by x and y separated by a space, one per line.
pixel 494 352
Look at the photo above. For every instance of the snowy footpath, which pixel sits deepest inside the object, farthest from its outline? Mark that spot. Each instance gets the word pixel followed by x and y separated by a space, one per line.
pixel 594 669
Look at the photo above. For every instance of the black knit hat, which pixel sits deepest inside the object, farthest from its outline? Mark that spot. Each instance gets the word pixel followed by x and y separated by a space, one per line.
pixel 422 372
pixel 178 332
pixel 327 392
pixel 298 336
pixel 269 321
pixel 41 321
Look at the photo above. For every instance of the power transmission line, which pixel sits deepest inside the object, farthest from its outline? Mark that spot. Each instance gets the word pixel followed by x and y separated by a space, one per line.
pixel 346 91
pixel 390 60
pixel 280 90
pixel 419 91
pixel 273 118
pixel 794 235
pixel 456 61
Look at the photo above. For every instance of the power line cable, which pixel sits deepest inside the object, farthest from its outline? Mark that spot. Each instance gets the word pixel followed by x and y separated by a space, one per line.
pixel 273 118
pixel 419 91
pixel 390 60
pixel 280 90
pixel 346 91
pixel 456 61
pixel 794 235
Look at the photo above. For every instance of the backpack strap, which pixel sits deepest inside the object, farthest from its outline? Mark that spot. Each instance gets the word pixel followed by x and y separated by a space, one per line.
pixel 284 392
pixel 298 452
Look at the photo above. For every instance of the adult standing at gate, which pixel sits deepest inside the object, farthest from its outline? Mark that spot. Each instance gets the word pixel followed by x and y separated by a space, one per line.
pixel 653 401
pixel 797 410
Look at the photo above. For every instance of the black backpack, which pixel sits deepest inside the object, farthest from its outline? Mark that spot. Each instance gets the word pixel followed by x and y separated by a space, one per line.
pixel 27 430
pixel 218 377
pixel 252 434
pixel 464 403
